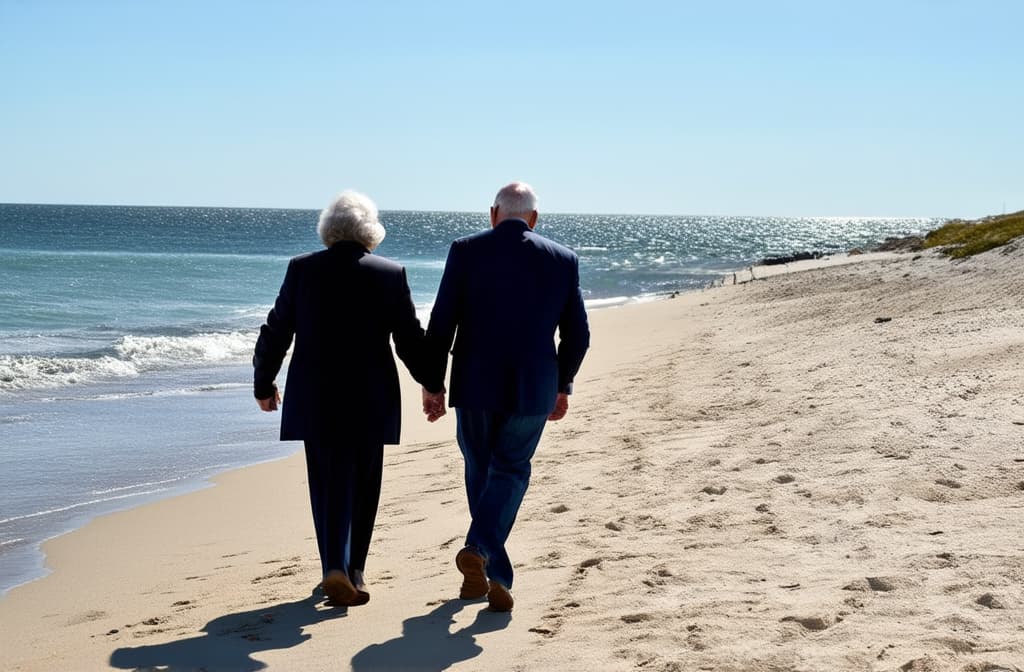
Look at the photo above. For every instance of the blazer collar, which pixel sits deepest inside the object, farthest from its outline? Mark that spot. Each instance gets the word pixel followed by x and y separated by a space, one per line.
pixel 517 225
pixel 349 247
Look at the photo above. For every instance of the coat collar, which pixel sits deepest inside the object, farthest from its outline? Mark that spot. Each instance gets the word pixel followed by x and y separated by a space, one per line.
pixel 349 247
pixel 513 224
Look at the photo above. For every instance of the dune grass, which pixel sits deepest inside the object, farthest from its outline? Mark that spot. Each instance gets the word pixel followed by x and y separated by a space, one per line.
pixel 959 238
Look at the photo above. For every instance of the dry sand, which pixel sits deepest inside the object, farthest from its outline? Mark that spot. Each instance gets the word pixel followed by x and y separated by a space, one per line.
pixel 820 470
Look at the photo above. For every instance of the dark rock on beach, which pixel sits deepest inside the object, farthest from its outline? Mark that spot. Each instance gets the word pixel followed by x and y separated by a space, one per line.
pixel 797 256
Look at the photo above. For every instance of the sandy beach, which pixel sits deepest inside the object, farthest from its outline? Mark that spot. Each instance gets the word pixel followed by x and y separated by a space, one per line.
pixel 819 469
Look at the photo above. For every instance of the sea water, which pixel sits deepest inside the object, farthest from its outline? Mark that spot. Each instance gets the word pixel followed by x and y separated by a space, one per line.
pixel 126 332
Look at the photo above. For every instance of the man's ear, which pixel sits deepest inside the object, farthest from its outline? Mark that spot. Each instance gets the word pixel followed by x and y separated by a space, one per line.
pixel 494 216
pixel 532 220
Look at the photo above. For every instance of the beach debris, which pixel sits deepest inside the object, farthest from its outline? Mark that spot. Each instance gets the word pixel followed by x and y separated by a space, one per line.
pixel 881 320
pixel 790 586
pixel 991 601
pixel 714 489
pixel 590 562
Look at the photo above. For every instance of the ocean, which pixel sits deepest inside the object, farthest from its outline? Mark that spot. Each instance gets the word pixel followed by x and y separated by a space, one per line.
pixel 126 332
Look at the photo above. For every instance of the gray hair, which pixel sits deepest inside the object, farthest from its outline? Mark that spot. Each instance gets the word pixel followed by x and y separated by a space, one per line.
pixel 516 200
pixel 350 216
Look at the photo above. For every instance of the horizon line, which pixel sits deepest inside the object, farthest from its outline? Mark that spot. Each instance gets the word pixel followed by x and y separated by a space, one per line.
pixel 484 212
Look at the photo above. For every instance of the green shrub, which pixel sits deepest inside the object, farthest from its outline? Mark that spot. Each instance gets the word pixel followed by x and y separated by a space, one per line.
pixel 959 238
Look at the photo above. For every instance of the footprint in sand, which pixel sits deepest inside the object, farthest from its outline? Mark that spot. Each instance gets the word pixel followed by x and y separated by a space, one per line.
pixel 714 489
pixel 559 508
pixel 991 601
pixel 878 584
pixel 87 617
pixel 811 622
pixel 948 482
pixel 784 478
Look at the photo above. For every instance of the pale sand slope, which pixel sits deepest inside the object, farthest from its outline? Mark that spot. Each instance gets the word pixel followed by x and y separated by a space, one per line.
pixel 756 477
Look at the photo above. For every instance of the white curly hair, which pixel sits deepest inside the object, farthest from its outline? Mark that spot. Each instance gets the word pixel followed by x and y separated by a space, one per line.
pixel 350 216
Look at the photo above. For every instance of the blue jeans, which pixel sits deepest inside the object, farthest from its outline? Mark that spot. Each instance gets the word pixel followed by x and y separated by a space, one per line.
pixel 497 449
pixel 344 491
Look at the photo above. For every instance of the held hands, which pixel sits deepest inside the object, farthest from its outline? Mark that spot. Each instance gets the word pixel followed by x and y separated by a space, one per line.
pixel 561 407
pixel 433 404
pixel 270 403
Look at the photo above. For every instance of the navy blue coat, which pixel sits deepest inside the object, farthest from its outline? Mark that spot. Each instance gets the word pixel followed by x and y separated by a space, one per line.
pixel 342 305
pixel 503 294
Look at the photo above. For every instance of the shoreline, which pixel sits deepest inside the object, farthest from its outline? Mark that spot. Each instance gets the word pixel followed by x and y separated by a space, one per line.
pixel 40 565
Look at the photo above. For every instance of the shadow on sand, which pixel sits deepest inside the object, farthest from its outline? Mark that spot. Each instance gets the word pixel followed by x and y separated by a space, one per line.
pixel 426 643
pixel 231 640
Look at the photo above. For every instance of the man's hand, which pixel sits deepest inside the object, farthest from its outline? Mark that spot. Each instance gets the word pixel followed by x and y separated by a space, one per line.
pixel 561 407
pixel 270 403
pixel 433 404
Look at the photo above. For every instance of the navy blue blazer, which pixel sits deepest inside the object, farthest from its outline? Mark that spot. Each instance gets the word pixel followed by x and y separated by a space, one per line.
pixel 342 305
pixel 503 294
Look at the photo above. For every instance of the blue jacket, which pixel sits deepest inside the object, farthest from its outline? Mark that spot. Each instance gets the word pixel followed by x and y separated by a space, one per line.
pixel 343 306
pixel 503 294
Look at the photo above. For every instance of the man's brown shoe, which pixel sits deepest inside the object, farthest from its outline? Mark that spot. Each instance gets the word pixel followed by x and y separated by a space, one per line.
pixel 339 589
pixel 474 578
pixel 498 598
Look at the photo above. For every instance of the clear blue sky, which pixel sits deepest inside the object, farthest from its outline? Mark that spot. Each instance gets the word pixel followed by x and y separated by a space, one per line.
pixel 816 107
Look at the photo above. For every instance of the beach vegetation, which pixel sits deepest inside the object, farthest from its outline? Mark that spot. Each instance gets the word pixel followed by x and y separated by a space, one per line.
pixel 962 238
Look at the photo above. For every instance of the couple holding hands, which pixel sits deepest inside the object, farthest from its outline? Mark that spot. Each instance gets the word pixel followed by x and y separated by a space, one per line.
pixel 504 293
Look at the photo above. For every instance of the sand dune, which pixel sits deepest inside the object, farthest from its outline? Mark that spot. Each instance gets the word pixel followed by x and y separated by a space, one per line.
pixel 817 470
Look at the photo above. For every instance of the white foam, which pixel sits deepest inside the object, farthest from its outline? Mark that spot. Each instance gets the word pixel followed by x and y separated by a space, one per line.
pixel 79 505
pixel 133 355
pixel 157 351
pixel 136 486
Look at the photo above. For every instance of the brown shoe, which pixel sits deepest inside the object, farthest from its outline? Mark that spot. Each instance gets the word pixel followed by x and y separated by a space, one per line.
pixel 339 589
pixel 362 595
pixel 498 598
pixel 474 578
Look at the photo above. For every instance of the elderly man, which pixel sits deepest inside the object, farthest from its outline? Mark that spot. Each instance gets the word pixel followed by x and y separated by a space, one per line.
pixel 342 305
pixel 503 294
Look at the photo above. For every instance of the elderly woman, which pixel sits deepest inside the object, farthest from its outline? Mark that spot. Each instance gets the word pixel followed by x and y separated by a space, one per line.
pixel 341 305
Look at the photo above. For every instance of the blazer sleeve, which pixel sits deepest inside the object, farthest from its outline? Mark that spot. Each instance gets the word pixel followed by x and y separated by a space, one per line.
pixel 444 319
pixel 275 338
pixel 573 333
pixel 408 335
